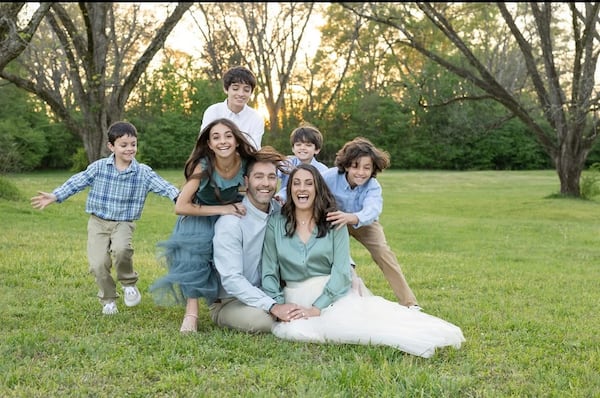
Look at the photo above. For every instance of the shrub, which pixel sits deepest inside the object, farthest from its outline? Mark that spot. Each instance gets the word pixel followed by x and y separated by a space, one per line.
pixel 8 190
pixel 79 160
pixel 590 182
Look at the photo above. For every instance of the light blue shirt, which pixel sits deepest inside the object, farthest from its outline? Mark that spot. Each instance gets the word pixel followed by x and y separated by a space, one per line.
pixel 237 249
pixel 293 162
pixel 365 201
pixel 248 120
pixel 116 195
pixel 289 259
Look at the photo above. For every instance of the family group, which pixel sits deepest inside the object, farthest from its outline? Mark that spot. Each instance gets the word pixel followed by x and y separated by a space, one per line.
pixel 262 238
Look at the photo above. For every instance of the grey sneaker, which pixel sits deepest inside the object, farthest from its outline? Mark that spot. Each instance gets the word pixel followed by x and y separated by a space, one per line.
pixel 110 308
pixel 415 307
pixel 132 296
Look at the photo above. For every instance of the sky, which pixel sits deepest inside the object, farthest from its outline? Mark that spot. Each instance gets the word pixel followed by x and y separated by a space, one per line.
pixel 180 38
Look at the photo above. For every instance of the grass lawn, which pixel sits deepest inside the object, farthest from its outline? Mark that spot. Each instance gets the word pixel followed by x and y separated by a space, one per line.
pixel 492 252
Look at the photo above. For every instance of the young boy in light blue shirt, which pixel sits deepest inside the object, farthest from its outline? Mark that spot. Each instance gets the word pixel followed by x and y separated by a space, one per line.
pixel 359 200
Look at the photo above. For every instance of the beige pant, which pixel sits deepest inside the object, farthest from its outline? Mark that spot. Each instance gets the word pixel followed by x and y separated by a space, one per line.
pixel 373 239
pixel 232 313
pixel 109 243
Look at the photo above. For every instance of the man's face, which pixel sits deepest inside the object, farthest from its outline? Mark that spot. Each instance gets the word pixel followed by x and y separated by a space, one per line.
pixel 261 184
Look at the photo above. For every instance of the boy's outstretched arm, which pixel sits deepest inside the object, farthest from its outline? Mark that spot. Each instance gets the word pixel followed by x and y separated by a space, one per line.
pixel 43 200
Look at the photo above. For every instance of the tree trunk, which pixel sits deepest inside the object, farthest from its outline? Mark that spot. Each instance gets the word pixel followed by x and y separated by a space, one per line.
pixel 569 166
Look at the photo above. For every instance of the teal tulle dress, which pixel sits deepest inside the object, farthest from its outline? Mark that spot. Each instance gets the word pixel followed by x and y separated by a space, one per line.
pixel 188 253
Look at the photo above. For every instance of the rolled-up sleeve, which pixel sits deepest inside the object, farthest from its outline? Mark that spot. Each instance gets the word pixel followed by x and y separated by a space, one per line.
pixel 370 204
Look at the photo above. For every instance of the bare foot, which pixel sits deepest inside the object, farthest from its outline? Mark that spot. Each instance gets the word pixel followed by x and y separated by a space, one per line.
pixel 189 324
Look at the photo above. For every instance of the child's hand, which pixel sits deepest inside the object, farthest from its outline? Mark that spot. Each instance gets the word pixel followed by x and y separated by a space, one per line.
pixel 339 219
pixel 279 200
pixel 237 209
pixel 42 200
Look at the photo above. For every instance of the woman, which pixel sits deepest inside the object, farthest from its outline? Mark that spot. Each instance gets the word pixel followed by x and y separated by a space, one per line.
pixel 214 173
pixel 311 259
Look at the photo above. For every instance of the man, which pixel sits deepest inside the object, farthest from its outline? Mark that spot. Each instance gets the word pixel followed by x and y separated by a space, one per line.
pixel 237 250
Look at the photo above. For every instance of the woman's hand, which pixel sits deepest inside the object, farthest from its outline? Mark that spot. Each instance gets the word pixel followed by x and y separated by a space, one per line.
pixel 305 312
pixel 283 312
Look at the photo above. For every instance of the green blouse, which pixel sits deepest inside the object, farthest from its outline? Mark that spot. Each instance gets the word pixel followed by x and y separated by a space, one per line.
pixel 229 189
pixel 289 259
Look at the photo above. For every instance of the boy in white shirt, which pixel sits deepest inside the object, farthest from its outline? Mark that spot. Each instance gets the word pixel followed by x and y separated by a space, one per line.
pixel 239 84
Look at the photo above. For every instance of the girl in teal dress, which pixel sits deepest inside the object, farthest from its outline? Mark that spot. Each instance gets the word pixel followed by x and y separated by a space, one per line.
pixel 214 173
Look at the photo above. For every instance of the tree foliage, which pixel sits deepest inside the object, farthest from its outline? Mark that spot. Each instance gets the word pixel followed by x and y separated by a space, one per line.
pixel 366 78
pixel 265 37
pixel 85 60
pixel 29 138
pixel 167 108
pixel 557 101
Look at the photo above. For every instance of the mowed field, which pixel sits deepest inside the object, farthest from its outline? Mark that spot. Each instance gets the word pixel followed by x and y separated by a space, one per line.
pixel 494 252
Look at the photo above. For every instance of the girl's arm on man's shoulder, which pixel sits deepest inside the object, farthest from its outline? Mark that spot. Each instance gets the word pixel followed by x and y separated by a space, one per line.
pixel 187 206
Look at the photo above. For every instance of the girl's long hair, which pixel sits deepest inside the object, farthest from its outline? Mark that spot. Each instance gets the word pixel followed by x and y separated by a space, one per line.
pixel 202 150
pixel 323 204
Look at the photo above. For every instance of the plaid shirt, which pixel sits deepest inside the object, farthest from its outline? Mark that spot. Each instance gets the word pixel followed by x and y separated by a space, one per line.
pixel 116 195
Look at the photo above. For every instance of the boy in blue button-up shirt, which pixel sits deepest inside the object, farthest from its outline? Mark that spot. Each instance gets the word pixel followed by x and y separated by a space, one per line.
pixel 119 186
pixel 359 199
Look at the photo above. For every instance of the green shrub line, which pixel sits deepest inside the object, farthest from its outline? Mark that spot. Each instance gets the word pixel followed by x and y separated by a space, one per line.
pixel 497 253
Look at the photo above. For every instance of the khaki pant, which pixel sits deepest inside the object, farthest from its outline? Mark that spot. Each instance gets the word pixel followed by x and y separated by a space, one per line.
pixel 232 313
pixel 373 239
pixel 109 243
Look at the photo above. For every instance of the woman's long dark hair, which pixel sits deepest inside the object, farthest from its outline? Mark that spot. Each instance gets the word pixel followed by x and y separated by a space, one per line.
pixel 323 204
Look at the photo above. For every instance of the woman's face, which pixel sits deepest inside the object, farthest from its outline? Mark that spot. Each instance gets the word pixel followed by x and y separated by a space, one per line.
pixel 303 189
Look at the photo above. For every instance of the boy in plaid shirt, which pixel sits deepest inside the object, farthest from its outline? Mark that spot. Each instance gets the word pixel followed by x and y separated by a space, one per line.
pixel 119 186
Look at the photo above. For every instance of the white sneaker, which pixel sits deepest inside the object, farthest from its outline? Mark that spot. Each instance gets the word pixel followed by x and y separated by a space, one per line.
pixel 132 296
pixel 415 307
pixel 110 308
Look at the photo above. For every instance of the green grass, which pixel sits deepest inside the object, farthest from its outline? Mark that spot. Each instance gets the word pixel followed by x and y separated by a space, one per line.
pixel 495 253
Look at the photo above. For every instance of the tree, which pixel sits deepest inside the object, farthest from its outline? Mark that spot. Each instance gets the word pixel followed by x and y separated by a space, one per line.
pixel 559 101
pixel 13 38
pixel 87 61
